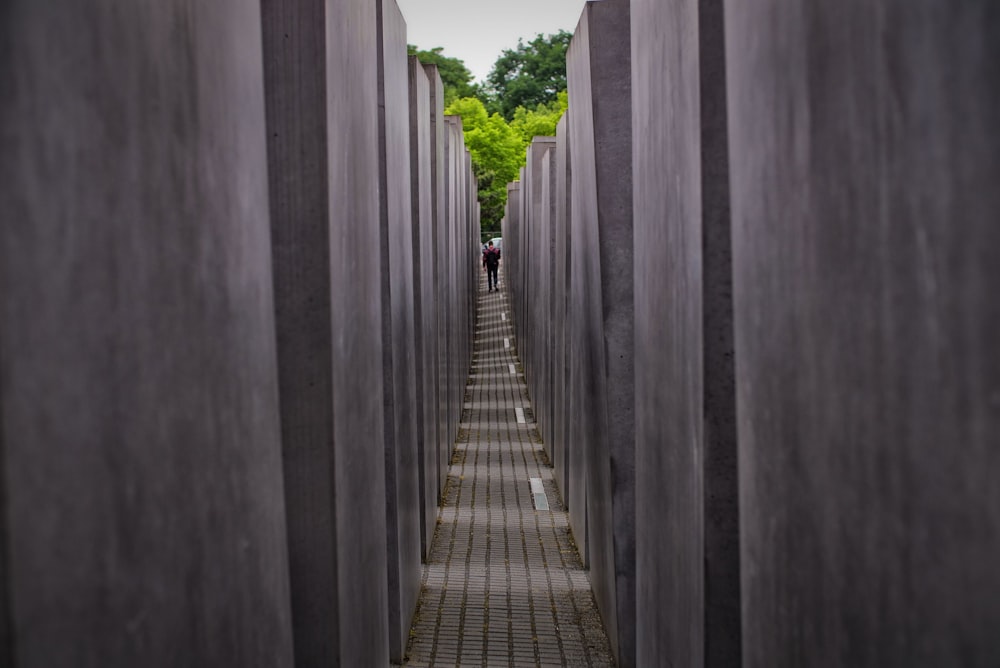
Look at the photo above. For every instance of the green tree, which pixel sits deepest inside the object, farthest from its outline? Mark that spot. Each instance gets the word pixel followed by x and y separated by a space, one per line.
pixel 542 120
pixel 497 152
pixel 455 76
pixel 529 75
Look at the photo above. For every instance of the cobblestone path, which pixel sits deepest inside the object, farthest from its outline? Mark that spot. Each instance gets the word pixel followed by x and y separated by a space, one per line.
pixel 504 585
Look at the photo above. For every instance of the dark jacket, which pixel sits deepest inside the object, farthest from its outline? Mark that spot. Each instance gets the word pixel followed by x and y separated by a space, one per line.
pixel 491 258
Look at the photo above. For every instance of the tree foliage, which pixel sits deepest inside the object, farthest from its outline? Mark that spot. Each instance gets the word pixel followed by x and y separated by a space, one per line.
pixel 455 76
pixel 498 148
pixel 540 121
pixel 529 75
pixel 497 152
pixel 525 99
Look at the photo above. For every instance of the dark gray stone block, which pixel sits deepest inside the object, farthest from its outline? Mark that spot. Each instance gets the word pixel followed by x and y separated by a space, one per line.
pixel 546 307
pixel 532 343
pixel 452 151
pixel 601 135
pixel 323 152
pixel 425 299
pixel 143 515
pixel 398 328
pixel 865 160
pixel 510 255
pixel 560 317
pixel 687 521
pixel 439 216
pixel 578 401
pixel 457 173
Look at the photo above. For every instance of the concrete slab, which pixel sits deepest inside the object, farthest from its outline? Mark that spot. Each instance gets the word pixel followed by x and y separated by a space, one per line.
pixel 142 501
pixel 687 520
pixel 864 168
pixel 439 214
pixel 425 299
pixel 560 296
pixel 541 297
pixel 601 136
pixel 398 327
pixel 327 277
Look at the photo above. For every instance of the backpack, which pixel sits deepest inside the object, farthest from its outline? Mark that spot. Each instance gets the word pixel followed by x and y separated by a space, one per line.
pixel 492 257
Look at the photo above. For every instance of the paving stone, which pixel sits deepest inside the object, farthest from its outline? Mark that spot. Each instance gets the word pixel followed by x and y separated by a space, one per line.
pixel 504 584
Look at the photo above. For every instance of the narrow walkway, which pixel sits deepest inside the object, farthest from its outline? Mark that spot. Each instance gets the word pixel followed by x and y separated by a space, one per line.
pixel 504 585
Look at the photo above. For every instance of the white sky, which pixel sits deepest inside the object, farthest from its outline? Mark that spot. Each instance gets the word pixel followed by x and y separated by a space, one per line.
pixel 476 31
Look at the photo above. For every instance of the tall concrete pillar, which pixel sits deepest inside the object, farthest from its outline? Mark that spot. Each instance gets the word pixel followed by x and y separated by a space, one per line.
pixel 439 215
pixel 560 297
pixel 687 520
pixel 865 159
pixel 598 70
pixel 398 338
pixel 140 459
pixel 323 153
pixel 450 179
pixel 546 307
pixel 425 300
pixel 511 247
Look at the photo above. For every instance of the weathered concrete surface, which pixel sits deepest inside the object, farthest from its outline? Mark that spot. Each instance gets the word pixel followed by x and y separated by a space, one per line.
pixel 439 216
pixel 451 126
pixel 561 396
pixel 143 512
pixel 534 343
pixel 460 250
pixel 865 159
pixel 546 283
pixel 687 521
pixel 425 300
pixel 598 68
pixel 324 183
pixel 511 231
pixel 398 328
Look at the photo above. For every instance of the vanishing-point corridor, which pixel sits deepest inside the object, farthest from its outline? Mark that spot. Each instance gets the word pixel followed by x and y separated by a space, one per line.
pixel 504 584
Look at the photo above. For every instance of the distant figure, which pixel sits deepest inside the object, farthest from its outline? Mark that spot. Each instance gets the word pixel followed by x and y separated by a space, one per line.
pixel 491 263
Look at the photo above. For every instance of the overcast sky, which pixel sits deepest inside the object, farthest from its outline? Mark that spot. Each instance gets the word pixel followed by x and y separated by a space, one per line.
pixel 476 31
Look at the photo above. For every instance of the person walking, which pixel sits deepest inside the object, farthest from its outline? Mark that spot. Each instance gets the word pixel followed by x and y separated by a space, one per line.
pixel 491 263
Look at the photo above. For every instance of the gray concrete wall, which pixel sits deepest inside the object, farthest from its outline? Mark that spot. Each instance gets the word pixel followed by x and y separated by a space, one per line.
pixel 199 417
pixel 562 382
pixel 398 326
pixel 452 148
pixel 330 253
pixel 543 295
pixel 600 132
pixel 143 512
pixel 538 348
pixel 846 311
pixel 865 160
pixel 439 220
pixel 687 522
pixel 425 300
pixel 457 255
pixel 533 344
